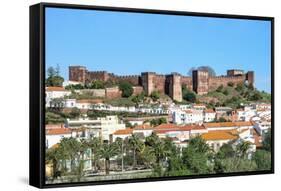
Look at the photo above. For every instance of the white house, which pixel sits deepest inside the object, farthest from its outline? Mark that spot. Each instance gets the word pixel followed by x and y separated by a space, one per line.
pixel 54 135
pixel 246 114
pixel 68 82
pixel 209 115
pixel 55 92
pixel 188 117
pixel 262 127
pixel 104 126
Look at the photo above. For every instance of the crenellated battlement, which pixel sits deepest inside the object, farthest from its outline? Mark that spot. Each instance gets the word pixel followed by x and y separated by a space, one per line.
pixel 170 84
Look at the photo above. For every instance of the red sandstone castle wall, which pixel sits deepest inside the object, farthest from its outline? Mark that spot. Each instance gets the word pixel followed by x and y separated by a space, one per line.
pixel 77 73
pixel 187 82
pixel 132 79
pixel 112 93
pixel 159 83
pixel 150 81
pixel 137 90
pixel 215 82
pixel 97 75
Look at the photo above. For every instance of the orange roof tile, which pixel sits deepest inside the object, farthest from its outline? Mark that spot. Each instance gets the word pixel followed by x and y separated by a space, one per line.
pixel 228 124
pixel 54 126
pixel 59 131
pixel 199 105
pixel 220 135
pixel 166 126
pixel 123 132
pixel 55 88
pixel 209 111
pixel 143 127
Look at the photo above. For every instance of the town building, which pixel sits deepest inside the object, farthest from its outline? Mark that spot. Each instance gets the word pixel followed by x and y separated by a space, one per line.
pixel 102 127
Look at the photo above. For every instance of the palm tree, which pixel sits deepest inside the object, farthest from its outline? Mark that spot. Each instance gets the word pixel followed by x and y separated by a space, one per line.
pixel 242 148
pixel 107 151
pixel 94 144
pixel 71 147
pixel 83 147
pixel 53 156
pixel 120 143
pixel 137 145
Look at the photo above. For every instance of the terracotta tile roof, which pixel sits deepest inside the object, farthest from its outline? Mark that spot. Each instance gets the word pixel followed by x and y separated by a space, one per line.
pixel 166 126
pixel 55 88
pixel 123 132
pixel 60 131
pixel 228 124
pixel 199 105
pixel 54 126
pixel 220 135
pixel 143 127
pixel 89 101
pixel 209 111
pixel 198 127
pixel 176 128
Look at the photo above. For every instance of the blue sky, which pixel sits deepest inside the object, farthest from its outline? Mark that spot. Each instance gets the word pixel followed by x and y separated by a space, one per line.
pixel 131 43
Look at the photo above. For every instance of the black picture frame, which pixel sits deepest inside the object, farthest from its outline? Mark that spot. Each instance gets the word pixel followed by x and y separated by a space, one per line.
pixel 37 92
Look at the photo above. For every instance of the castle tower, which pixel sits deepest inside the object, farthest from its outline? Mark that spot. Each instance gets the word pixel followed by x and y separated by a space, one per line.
pixel 147 79
pixel 77 73
pixel 200 80
pixel 250 76
pixel 174 86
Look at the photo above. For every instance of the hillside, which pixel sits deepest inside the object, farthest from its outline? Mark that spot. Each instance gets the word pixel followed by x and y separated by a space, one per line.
pixel 234 96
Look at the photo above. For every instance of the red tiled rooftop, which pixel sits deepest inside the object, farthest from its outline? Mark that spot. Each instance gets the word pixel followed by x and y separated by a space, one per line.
pixel 228 124
pixel 123 132
pixel 55 88
pixel 143 127
pixel 60 131
pixel 209 111
pixel 166 126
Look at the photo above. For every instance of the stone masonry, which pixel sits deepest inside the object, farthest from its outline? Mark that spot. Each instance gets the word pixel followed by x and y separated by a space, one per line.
pixel 171 84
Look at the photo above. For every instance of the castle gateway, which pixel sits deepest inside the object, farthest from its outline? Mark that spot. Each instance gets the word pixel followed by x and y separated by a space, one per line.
pixel 200 81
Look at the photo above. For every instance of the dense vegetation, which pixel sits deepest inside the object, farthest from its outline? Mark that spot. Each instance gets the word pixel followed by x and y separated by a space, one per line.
pixel 161 156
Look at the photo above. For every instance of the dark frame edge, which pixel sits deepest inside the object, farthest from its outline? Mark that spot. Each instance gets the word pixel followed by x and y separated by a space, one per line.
pixel 35 95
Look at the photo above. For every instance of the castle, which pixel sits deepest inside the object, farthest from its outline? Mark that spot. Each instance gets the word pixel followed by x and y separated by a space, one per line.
pixel 200 81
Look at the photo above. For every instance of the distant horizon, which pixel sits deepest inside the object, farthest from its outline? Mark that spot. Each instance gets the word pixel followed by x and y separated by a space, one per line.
pixel 130 43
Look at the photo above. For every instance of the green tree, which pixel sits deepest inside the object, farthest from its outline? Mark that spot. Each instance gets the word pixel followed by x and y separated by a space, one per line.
pixel 196 156
pixel 126 88
pixel 57 104
pixel 267 141
pixel 54 79
pixel 94 144
pixel 107 151
pixel 53 157
pixel 256 96
pixel 75 112
pixel 226 151
pixel 230 84
pixel 97 84
pixel 220 88
pixel 155 95
pixel 136 145
pixel 262 159
pixel 188 95
pixel 242 148
pixel 209 69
